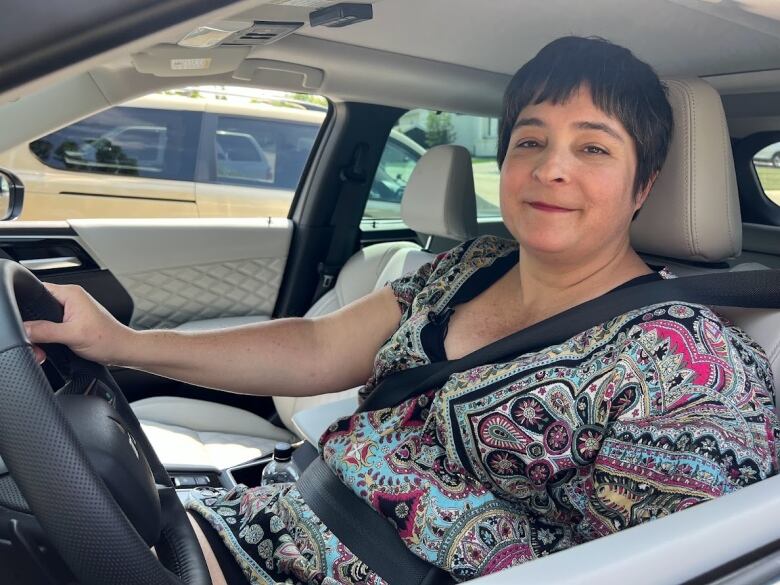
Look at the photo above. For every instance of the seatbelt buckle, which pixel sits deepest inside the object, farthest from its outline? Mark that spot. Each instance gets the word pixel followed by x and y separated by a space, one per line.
pixel 328 273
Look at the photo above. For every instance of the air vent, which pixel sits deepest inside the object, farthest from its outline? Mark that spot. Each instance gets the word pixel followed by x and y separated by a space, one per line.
pixel 264 33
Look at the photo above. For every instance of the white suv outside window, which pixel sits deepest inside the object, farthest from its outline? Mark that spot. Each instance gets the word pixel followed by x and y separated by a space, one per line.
pixel 171 155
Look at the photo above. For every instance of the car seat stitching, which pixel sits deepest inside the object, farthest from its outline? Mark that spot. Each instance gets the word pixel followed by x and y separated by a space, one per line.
pixel 449 210
pixel 685 138
pixel 774 352
pixel 693 226
pixel 726 181
pixel 166 534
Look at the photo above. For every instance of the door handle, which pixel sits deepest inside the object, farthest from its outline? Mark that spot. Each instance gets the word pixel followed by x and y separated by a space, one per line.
pixel 40 264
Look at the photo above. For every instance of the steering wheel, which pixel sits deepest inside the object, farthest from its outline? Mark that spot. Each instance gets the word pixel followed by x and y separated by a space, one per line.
pixel 81 460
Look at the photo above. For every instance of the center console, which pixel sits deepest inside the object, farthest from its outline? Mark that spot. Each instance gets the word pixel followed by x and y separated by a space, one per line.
pixel 310 424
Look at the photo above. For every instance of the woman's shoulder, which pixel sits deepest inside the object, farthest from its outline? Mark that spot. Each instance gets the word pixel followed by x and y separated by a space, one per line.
pixel 682 315
pixel 696 332
pixel 489 248
pixel 476 253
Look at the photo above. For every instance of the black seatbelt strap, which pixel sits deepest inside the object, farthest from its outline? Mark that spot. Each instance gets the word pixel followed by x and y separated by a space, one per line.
pixel 345 221
pixel 750 289
pixel 374 540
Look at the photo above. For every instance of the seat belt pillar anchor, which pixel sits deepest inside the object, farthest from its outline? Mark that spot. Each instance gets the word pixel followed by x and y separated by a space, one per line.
pixel 327 275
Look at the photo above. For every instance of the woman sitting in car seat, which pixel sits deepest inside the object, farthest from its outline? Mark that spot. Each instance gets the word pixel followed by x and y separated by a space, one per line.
pixel 656 410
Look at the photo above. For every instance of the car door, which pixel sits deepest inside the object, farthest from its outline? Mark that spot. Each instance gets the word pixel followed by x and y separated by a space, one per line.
pixel 149 267
pixel 123 182
pixel 180 271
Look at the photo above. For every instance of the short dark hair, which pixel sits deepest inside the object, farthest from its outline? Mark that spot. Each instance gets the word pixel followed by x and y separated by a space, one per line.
pixel 621 86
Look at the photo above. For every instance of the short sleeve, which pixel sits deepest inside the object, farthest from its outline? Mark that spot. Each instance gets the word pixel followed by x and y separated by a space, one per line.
pixel 689 421
pixel 409 285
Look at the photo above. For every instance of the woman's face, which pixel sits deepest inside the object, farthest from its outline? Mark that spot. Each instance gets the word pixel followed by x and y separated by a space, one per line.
pixel 567 181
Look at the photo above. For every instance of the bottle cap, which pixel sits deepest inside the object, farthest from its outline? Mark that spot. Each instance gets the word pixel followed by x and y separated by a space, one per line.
pixel 282 452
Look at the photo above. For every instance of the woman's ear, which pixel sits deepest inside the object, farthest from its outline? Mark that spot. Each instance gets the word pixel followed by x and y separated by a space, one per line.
pixel 642 195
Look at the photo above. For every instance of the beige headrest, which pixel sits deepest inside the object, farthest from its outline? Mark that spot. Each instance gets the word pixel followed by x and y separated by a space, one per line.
pixel 439 199
pixel 692 213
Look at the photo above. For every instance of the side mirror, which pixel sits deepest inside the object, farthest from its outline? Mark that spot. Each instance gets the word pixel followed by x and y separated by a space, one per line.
pixel 11 195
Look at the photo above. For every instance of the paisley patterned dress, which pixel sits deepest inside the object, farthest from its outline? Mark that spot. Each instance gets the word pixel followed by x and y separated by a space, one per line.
pixel 656 410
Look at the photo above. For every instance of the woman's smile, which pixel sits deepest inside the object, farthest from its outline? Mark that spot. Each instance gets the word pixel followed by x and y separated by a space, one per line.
pixel 548 207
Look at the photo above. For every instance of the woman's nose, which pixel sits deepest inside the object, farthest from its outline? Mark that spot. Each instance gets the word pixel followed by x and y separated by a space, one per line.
pixel 552 166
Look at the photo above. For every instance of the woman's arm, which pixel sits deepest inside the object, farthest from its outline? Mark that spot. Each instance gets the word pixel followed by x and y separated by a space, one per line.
pixel 690 419
pixel 298 356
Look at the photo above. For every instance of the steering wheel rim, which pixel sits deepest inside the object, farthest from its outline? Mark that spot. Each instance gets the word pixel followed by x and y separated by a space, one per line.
pixel 69 499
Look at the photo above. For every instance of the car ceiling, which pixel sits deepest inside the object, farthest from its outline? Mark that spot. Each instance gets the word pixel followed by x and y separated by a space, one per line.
pixel 678 37
pixel 442 54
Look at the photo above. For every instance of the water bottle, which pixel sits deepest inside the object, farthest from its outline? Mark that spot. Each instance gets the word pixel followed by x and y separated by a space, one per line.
pixel 281 468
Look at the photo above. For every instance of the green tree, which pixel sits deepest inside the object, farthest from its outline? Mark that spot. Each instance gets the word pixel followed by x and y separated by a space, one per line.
pixel 439 129
pixel 312 99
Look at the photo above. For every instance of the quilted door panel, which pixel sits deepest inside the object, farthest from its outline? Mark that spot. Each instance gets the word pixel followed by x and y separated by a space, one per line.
pixel 177 271
pixel 167 298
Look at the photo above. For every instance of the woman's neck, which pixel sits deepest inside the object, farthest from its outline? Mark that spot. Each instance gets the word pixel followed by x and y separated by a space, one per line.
pixel 547 287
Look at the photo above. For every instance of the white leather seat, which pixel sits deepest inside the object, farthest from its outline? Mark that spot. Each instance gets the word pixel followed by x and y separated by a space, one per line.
pixel 692 213
pixel 439 201
pixel 196 432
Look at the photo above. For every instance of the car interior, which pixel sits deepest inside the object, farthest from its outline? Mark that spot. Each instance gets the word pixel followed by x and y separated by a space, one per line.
pixel 711 210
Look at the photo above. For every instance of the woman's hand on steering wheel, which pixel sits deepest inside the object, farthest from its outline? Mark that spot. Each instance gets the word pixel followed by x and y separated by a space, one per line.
pixel 87 327
pixel 83 445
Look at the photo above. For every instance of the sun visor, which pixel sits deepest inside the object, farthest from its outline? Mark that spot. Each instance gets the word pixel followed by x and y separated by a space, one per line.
pixel 268 72
pixel 175 61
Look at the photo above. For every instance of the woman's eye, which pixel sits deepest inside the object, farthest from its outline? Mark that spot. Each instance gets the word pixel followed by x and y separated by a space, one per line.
pixel 591 149
pixel 527 143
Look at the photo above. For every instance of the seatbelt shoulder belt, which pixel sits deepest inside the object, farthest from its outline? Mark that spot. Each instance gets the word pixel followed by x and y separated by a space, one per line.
pixel 749 289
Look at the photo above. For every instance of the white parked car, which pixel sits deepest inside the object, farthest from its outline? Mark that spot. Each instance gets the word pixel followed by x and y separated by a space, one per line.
pixel 769 155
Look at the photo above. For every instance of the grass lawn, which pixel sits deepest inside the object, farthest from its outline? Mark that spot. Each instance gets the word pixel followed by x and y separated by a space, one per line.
pixel 770 177
pixel 770 181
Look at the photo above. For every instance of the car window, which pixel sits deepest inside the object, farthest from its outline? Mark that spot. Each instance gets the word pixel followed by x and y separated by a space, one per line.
pixel 392 174
pixel 139 142
pixel 767 164
pixel 262 152
pixel 413 134
pixel 196 152
pixel 240 157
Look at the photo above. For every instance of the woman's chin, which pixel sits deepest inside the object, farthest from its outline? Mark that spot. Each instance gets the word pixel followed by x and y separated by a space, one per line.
pixel 548 246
